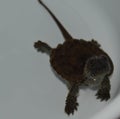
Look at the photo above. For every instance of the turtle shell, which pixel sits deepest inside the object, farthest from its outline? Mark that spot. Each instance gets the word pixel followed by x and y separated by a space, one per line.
pixel 68 59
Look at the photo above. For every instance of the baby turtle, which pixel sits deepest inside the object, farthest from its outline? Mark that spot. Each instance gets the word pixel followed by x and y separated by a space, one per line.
pixel 80 63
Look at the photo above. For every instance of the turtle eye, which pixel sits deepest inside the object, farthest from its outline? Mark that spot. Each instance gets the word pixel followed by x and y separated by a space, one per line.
pixel 94 79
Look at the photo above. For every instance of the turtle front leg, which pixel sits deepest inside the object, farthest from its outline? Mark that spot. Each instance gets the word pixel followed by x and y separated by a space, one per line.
pixel 71 100
pixel 43 47
pixel 104 91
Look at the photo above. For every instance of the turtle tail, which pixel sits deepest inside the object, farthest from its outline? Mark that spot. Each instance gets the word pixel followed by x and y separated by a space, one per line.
pixel 64 32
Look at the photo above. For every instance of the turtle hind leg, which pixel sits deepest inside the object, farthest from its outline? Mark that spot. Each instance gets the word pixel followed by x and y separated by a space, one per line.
pixel 43 47
pixel 71 100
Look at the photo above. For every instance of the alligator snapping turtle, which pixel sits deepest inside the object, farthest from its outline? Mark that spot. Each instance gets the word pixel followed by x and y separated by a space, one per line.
pixel 80 63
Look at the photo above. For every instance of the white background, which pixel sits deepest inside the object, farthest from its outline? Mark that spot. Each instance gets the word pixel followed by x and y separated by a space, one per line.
pixel 28 87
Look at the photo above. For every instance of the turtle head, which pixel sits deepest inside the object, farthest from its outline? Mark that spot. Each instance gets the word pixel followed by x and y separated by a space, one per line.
pixel 95 70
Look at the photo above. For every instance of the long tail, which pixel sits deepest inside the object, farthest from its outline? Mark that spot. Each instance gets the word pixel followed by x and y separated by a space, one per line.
pixel 64 32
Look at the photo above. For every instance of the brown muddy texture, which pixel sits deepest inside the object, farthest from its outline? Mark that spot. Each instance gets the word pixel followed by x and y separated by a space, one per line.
pixel 69 58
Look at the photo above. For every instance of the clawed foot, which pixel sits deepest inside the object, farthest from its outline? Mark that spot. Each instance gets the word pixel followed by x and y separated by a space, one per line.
pixel 38 46
pixel 43 47
pixel 103 95
pixel 71 105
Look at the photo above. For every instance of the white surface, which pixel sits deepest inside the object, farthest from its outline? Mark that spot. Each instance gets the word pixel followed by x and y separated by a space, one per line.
pixel 28 87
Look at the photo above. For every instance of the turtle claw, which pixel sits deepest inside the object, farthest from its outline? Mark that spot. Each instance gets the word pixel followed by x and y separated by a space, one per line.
pixel 71 105
pixel 70 108
pixel 43 47
pixel 103 95
pixel 39 46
